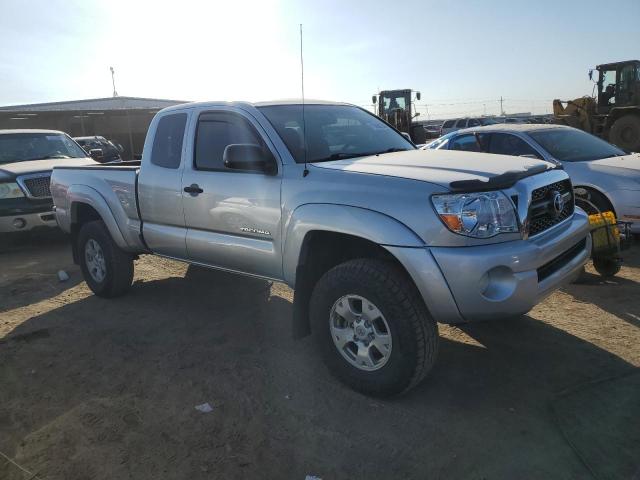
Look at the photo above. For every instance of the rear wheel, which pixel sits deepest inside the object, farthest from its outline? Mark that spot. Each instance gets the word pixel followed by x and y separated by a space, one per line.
pixel 625 132
pixel 106 268
pixel 372 327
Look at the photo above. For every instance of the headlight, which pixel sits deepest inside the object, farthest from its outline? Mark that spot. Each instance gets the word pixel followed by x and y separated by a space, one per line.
pixel 10 190
pixel 480 215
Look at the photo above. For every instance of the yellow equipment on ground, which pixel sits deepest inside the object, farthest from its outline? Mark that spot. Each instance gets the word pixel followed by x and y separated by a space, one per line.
pixel 604 238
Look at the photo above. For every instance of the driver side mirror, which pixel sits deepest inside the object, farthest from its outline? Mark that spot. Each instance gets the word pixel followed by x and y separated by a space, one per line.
pixel 249 157
pixel 96 154
pixel 417 95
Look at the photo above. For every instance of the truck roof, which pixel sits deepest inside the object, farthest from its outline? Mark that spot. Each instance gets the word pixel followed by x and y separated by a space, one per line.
pixel 292 101
pixel 30 130
pixel 515 127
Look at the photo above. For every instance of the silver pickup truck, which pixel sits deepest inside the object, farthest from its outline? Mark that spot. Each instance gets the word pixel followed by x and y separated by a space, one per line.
pixel 379 240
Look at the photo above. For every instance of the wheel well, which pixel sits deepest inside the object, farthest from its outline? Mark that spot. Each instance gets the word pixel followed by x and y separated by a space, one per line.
pixel 598 193
pixel 321 251
pixel 81 213
pixel 616 113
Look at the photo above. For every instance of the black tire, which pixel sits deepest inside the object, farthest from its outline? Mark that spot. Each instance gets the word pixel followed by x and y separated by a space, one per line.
pixel 606 267
pixel 414 332
pixel 625 132
pixel 119 264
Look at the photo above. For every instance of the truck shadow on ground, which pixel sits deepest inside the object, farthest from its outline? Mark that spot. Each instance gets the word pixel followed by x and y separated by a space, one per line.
pixel 617 296
pixel 29 265
pixel 112 387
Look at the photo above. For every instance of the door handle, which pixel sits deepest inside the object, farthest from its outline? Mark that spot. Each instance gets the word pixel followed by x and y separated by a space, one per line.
pixel 193 189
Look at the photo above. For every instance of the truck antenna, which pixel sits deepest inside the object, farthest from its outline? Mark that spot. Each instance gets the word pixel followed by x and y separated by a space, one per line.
pixel 113 81
pixel 305 172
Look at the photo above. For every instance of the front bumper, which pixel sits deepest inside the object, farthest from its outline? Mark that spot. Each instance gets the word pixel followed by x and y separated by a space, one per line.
pixel 501 280
pixel 26 222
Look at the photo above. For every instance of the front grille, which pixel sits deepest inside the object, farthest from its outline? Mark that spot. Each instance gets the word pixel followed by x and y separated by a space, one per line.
pixel 542 212
pixel 38 187
pixel 549 268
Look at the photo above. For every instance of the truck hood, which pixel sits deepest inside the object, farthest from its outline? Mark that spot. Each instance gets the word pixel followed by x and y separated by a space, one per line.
pixel 441 167
pixel 9 171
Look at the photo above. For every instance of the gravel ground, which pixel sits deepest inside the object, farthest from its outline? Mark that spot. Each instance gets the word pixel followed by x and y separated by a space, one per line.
pixel 106 389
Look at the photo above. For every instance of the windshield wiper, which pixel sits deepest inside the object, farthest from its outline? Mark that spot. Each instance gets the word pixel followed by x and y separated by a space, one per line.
pixel 48 157
pixel 344 156
pixel 391 150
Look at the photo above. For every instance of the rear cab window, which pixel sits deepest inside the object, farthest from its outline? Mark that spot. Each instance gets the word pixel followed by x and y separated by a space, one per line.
pixel 462 123
pixel 167 143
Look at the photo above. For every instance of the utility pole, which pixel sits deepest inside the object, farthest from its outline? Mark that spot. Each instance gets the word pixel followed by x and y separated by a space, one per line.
pixel 501 109
pixel 113 81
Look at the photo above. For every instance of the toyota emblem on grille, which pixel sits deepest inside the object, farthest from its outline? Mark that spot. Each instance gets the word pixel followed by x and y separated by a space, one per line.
pixel 557 202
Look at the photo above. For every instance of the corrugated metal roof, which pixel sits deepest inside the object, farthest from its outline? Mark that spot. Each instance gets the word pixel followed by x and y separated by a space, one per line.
pixel 109 103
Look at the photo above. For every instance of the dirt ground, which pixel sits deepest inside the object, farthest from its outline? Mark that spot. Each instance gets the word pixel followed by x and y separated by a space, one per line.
pixel 106 389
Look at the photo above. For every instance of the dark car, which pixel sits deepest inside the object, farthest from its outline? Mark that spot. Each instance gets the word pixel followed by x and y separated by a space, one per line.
pixel 110 151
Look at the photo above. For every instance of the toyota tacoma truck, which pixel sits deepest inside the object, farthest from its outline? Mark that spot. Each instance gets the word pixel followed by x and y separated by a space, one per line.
pixel 379 240
pixel 27 158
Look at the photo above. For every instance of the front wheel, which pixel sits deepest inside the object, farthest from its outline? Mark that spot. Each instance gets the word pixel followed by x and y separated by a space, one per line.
pixel 625 132
pixel 607 267
pixel 372 327
pixel 107 270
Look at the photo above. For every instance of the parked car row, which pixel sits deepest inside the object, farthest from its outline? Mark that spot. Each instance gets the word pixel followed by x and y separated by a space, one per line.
pixel 435 130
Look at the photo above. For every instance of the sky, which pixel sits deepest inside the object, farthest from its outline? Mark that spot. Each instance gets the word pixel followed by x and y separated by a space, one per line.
pixel 462 55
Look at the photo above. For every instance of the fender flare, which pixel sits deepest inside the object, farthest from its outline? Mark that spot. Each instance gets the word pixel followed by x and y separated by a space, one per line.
pixel 361 222
pixel 78 194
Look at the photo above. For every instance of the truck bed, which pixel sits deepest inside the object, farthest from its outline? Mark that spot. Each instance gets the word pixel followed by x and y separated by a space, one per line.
pixel 107 188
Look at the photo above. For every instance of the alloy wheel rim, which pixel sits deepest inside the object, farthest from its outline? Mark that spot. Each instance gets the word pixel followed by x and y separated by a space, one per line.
pixel 95 261
pixel 360 332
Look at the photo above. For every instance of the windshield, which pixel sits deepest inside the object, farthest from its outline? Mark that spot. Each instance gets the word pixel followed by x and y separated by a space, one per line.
pixel 333 132
pixel 109 150
pixel 22 147
pixel 570 145
pixel 393 101
pixel 440 142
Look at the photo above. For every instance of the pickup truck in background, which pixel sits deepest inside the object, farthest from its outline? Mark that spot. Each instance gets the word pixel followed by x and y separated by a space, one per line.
pixel 379 240
pixel 100 149
pixel 27 158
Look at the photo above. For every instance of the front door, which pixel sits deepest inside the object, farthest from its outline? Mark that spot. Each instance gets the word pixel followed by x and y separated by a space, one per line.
pixel 627 86
pixel 232 216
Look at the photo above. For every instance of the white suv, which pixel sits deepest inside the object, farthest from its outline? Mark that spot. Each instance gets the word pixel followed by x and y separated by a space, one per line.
pixel 459 123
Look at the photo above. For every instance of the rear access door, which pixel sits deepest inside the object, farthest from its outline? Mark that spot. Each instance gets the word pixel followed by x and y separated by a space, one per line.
pixel 160 185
